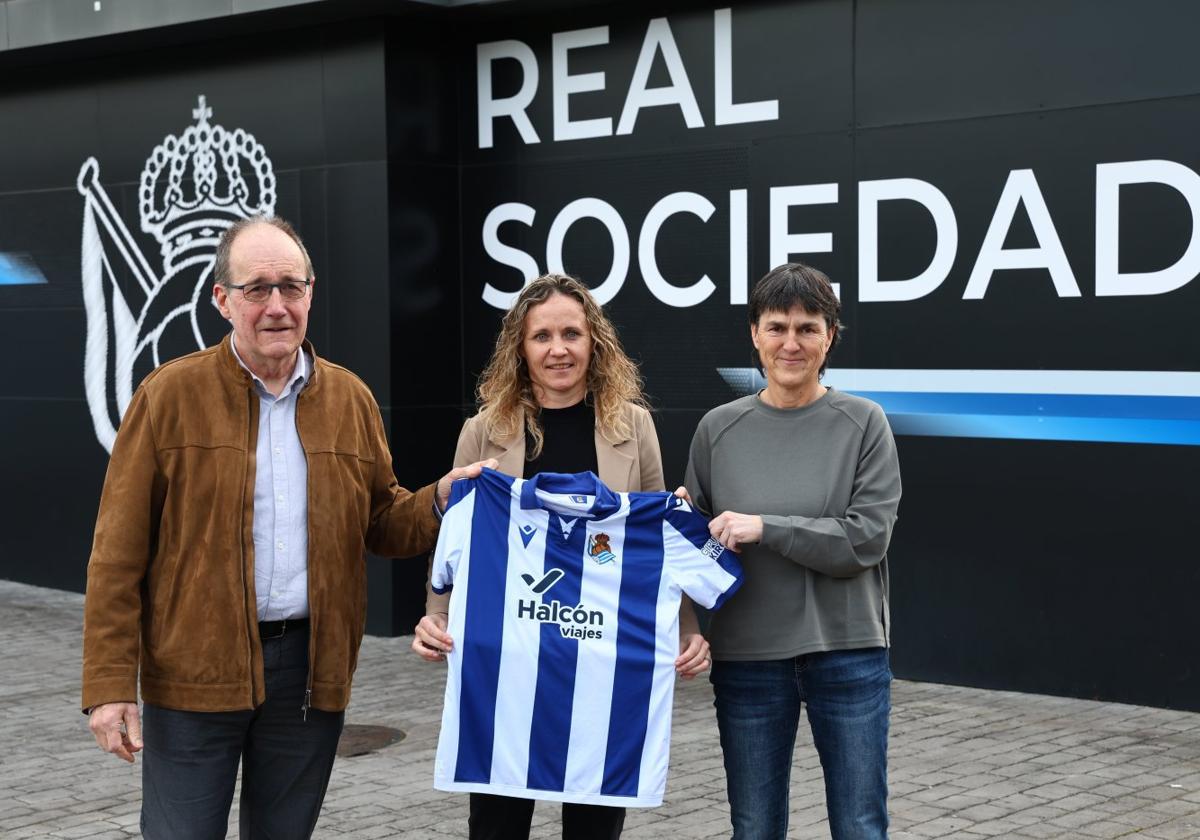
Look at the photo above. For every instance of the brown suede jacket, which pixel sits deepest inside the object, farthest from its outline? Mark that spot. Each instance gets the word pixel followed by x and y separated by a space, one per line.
pixel 170 586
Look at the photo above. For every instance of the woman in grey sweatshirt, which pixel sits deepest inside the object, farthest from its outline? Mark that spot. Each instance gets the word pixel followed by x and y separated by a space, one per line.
pixel 803 481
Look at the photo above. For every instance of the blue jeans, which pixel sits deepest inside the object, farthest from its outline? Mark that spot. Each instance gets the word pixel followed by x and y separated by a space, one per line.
pixel 848 694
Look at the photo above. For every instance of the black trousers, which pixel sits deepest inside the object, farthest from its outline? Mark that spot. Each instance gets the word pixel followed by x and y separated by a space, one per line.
pixel 508 818
pixel 190 759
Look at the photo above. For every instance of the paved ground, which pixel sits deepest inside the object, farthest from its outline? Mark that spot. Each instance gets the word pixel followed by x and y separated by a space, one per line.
pixel 964 763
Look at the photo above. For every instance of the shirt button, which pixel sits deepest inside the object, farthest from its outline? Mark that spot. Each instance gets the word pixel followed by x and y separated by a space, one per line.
pixel 280 498
pixel 277 450
pixel 281 546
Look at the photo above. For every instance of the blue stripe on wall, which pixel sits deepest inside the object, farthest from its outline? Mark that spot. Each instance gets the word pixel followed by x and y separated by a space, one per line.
pixel 1039 405
pixel 483 633
pixel 633 678
pixel 1096 418
pixel 1115 406
pixel 553 701
pixel 19 270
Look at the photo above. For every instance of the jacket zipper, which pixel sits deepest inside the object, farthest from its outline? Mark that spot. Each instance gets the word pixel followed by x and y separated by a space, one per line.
pixel 312 622
pixel 242 565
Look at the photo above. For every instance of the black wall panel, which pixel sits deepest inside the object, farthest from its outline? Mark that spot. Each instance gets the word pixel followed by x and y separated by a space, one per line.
pixel 929 60
pixel 1012 572
pixel 424 290
pixel 358 256
pixel 55 470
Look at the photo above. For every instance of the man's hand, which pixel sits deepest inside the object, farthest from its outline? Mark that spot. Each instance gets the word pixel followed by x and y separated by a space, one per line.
pixel 682 493
pixel 431 642
pixel 117 728
pixel 469 471
pixel 733 530
pixel 694 658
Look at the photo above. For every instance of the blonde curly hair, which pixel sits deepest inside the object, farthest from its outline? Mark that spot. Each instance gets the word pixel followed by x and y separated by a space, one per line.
pixel 505 390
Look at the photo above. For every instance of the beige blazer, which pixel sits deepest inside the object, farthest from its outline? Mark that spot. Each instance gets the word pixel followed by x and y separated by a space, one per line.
pixel 632 465
pixel 629 466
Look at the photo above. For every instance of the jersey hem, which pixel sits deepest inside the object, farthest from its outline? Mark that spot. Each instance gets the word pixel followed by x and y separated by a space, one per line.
pixel 551 795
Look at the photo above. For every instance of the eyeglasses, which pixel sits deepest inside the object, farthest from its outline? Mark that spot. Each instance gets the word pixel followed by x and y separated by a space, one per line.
pixel 261 292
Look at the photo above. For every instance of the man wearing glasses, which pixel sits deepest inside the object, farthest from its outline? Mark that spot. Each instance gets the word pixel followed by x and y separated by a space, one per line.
pixel 227 568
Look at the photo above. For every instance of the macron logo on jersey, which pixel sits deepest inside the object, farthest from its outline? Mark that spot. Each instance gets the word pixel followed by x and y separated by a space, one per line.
pixel 527 532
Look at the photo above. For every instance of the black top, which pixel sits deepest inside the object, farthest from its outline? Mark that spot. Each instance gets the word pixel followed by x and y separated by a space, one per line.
pixel 570 441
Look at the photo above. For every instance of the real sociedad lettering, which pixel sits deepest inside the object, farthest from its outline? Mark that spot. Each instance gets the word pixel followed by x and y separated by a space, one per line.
pixel 1021 195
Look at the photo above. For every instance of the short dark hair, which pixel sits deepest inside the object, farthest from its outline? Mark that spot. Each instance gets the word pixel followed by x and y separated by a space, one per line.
pixel 220 271
pixel 796 284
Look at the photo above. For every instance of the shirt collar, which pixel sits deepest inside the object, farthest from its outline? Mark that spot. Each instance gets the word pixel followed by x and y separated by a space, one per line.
pixel 299 375
pixel 581 494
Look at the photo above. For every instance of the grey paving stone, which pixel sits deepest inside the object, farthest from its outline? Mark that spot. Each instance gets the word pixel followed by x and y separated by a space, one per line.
pixel 1106 830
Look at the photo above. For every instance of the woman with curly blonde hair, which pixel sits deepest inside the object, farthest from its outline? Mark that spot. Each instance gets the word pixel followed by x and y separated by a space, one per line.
pixel 559 395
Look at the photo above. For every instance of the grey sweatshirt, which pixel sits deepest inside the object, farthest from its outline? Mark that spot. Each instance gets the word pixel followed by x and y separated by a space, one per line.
pixel 826 481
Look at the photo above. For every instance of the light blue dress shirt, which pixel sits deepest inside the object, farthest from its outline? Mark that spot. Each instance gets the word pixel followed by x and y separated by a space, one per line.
pixel 280 500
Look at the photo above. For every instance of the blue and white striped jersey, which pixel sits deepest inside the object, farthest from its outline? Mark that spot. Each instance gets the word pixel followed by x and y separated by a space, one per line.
pixel 565 616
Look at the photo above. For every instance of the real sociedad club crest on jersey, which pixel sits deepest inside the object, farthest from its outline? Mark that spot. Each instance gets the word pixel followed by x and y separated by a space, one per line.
pixel 192 188
pixel 599 549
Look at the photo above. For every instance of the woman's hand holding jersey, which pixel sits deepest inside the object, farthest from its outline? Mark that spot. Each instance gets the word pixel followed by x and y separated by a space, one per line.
pixel 431 642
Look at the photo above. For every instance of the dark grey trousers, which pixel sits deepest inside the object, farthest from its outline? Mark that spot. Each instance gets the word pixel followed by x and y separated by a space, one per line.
pixel 190 760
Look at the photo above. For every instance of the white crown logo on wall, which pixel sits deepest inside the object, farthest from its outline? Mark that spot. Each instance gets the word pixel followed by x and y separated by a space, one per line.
pixel 192 188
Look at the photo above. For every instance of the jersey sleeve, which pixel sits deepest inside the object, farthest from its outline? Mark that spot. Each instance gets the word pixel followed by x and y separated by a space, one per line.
pixel 700 565
pixel 454 536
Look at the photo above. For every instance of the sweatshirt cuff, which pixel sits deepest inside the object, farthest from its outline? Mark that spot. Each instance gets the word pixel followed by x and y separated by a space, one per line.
pixel 777 534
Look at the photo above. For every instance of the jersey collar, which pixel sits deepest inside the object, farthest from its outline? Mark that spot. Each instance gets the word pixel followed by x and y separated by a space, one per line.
pixel 581 494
